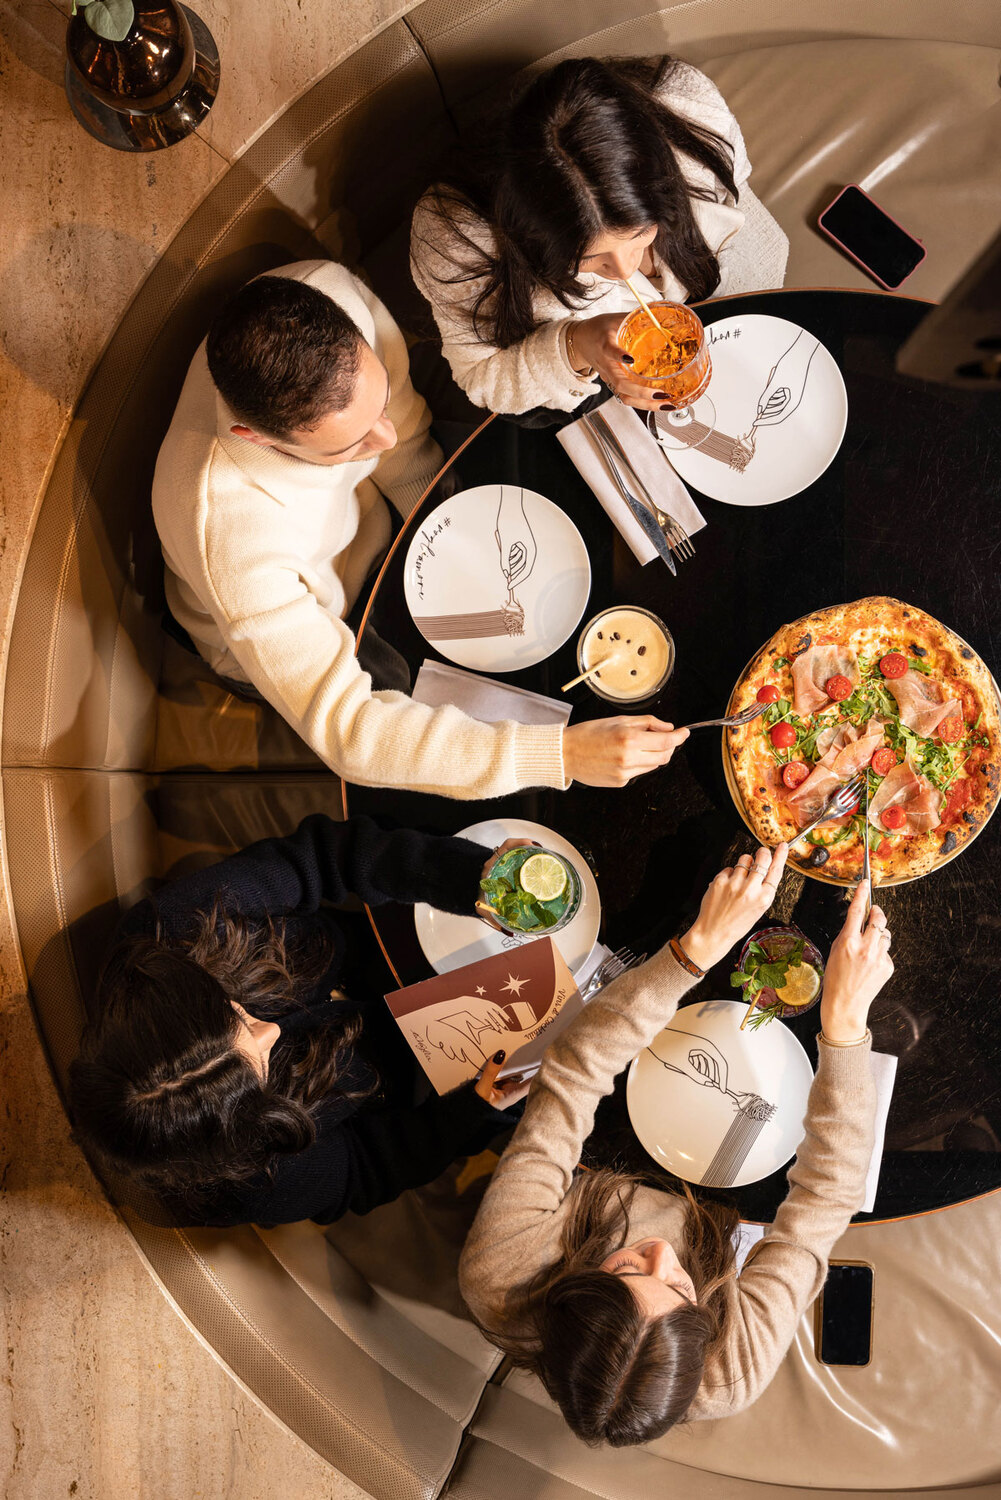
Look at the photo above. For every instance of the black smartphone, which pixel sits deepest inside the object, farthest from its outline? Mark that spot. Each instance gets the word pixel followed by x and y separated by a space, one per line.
pixel 844 1314
pixel 866 232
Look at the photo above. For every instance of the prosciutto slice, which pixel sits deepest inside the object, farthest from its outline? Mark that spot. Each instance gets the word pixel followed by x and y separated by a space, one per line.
pixel 846 753
pixel 922 702
pixel 906 788
pixel 812 670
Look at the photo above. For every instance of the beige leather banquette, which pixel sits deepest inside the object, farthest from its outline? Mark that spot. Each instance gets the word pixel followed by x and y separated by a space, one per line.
pixel 123 761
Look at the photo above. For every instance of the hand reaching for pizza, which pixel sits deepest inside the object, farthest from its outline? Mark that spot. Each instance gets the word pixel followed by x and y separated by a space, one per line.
pixel 733 903
pixel 857 969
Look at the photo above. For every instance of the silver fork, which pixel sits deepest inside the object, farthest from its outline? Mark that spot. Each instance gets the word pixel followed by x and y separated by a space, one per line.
pixel 745 716
pixel 610 968
pixel 677 537
pixel 844 800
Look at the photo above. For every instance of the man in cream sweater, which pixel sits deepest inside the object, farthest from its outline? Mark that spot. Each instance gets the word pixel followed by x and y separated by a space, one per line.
pixel 296 419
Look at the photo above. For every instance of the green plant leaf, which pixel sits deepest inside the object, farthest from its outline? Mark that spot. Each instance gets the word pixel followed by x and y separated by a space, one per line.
pixel 110 19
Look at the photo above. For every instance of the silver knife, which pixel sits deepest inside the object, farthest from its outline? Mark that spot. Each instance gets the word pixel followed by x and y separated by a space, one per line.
pixel 866 868
pixel 642 515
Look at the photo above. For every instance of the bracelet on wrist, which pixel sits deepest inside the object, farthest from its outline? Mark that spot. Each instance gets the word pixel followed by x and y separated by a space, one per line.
pixel 866 1037
pixel 588 370
pixel 688 964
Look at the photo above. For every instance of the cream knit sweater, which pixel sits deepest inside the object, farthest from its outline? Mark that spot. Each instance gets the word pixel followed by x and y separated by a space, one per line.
pixel 751 248
pixel 265 555
pixel 517 1230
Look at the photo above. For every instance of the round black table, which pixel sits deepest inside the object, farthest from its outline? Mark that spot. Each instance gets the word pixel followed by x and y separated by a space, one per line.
pixel 910 507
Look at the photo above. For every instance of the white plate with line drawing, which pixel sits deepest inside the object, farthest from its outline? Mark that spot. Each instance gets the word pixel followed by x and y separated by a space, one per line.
pixel 772 419
pixel 716 1105
pixel 497 578
pixel 449 941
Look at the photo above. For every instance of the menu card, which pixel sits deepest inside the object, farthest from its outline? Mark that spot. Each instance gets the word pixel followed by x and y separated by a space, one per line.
pixel 517 1000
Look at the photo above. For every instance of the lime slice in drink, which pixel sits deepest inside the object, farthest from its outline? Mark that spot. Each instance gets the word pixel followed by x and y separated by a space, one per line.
pixel 543 876
pixel 800 988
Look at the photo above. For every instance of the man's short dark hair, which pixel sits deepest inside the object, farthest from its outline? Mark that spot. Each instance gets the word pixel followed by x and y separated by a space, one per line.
pixel 283 355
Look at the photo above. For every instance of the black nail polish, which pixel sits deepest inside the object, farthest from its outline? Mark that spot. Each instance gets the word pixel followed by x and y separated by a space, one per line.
pixel 499 1057
pixel 659 396
pixel 667 407
pixel 627 359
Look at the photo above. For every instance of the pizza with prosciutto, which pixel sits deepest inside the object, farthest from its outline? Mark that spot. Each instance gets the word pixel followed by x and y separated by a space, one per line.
pixel 878 686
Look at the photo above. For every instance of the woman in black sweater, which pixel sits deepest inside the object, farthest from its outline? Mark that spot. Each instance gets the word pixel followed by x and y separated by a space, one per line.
pixel 226 1069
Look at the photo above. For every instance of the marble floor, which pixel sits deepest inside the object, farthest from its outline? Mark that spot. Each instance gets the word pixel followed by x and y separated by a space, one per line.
pixel 105 1392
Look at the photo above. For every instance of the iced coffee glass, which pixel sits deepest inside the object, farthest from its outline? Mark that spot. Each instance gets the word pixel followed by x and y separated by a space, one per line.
pixel 631 651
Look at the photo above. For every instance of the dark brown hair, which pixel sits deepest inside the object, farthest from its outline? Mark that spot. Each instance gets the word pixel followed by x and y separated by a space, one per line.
pixel 161 1092
pixel 618 1376
pixel 283 355
pixel 587 147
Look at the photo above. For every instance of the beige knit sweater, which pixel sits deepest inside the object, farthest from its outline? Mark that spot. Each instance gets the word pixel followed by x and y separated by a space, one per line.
pixel 517 1230
pixel 751 248
pixel 265 555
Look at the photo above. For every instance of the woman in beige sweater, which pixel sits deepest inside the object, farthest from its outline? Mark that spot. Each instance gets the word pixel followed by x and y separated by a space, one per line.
pixel 601 170
pixel 624 1299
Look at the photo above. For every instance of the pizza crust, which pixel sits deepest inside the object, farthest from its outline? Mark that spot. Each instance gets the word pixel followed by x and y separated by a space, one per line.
pixel 872 626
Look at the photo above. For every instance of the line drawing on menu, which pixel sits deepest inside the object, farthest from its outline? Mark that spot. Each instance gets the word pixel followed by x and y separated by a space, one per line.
pixel 706 1066
pixel 781 396
pixel 517 550
pixel 464 1034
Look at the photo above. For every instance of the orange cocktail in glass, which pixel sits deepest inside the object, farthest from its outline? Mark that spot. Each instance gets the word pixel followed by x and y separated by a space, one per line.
pixel 673 358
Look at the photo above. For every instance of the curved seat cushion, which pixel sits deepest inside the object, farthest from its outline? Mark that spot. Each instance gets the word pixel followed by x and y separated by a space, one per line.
pixel 916 124
pixel 922 1414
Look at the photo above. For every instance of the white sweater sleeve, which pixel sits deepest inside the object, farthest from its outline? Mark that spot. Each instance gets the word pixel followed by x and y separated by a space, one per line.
pixel 301 658
pixel 531 373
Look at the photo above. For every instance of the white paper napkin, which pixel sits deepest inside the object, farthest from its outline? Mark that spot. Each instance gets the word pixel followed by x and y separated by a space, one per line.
pixel 650 464
pixel 483 698
pixel 884 1073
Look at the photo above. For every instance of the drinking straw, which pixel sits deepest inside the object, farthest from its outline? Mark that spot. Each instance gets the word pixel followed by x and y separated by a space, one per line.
pixel 747 1013
pixel 645 306
pixel 589 673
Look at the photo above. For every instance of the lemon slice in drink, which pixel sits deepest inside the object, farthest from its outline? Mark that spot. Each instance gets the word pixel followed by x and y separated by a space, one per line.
pixel 543 877
pixel 801 986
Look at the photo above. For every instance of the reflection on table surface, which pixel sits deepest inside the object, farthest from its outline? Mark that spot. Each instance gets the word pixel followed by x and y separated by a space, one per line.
pixel 909 508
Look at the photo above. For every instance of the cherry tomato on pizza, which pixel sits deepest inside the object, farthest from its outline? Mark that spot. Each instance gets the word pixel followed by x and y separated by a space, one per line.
pixel 769 693
pixel 838 688
pixel 794 773
pixel 883 760
pixel 893 817
pixel 951 729
pixel 782 736
pixel 893 664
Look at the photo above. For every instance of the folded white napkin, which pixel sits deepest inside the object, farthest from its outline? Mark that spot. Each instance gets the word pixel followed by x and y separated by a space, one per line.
pixel 884 1073
pixel 651 465
pixel 484 699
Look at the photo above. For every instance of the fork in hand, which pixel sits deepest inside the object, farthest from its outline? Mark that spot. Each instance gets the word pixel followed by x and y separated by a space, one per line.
pixel 733 722
pixel 845 800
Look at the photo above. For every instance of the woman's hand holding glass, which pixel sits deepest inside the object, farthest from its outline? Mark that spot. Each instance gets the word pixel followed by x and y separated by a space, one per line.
pixel 857 969
pixel 735 900
pixel 595 343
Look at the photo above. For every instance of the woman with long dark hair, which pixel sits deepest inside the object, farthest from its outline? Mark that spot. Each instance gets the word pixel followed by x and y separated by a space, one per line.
pixel 624 1299
pixel 227 1071
pixel 599 170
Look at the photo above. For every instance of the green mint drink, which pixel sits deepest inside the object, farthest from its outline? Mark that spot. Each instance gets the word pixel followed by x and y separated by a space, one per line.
pixel 532 891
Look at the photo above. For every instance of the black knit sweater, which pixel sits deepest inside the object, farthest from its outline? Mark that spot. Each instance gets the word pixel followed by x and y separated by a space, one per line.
pixel 365 1154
